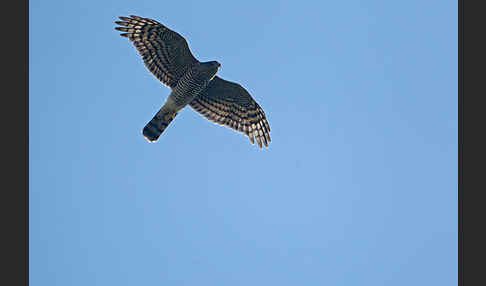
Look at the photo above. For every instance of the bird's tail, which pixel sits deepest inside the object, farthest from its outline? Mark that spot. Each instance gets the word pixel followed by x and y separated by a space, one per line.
pixel 158 124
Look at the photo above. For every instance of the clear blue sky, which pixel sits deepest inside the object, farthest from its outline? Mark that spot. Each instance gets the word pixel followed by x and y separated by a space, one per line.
pixel 358 187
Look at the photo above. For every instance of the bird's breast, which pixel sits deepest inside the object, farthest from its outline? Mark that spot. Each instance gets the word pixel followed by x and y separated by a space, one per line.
pixel 188 87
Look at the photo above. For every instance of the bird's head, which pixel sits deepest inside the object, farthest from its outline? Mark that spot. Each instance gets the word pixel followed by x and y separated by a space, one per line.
pixel 214 64
pixel 211 68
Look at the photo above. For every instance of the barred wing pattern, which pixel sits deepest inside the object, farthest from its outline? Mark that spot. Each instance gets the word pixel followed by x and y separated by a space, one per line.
pixel 165 53
pixel 228 103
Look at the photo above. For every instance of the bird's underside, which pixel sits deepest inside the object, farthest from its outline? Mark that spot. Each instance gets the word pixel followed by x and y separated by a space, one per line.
pixel 168 57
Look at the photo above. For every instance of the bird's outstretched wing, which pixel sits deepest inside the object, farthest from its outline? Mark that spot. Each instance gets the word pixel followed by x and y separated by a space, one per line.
pixel 228 103
pixel 165 52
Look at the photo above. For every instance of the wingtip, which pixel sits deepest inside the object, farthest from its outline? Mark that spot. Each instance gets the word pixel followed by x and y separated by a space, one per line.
pixel 136 17
pixel 123 18
pixel 252 140
pixel 259 141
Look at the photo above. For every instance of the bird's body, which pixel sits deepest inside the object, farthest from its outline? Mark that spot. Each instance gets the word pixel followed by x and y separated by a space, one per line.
pixel 195 80
pixel 167 55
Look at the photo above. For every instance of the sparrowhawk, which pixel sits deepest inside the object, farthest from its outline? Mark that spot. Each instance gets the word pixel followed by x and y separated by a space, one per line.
pixel 167 55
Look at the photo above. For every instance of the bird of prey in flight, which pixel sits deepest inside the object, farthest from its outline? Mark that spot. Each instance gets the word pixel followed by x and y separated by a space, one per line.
pixel 168 57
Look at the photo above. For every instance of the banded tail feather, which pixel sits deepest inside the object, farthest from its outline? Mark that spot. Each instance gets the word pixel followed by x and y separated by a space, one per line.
pixel 158 124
